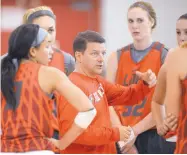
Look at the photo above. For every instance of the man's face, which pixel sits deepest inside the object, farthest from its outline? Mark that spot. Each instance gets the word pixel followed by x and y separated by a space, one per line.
pixel 92 60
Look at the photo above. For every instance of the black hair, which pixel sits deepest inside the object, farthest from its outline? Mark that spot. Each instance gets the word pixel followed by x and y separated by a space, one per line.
pixel 19 44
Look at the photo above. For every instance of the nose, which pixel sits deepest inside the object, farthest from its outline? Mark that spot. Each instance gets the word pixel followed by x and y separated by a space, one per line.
pixel 181 41
pixel 182 37
pixel 134 25
pixel 50 52
pixel 101 57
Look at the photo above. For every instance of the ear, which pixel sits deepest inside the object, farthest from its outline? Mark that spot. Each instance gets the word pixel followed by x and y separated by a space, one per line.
pixel 78 56
pixel 152 22
pixel 32 52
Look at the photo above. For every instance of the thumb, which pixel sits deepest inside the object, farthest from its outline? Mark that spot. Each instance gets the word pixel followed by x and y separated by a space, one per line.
pixel 149 72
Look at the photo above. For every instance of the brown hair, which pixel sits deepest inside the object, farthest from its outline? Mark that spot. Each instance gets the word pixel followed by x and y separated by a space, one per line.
pixel 82 38
pixel 148 8
pixel 184 16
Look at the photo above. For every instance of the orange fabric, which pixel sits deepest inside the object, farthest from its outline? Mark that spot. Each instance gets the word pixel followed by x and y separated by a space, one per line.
pixel 57 62
pixel 131 115
pixel 25 129
pixel 100 137
pixel 181 146
pixel 170 134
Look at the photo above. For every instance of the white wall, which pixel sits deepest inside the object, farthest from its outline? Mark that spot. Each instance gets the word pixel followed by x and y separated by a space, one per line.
pixel 11 17
pixel 114 22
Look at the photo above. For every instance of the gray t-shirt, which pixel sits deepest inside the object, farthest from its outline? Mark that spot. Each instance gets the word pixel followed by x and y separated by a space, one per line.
pixel 69 63
pixel 138 55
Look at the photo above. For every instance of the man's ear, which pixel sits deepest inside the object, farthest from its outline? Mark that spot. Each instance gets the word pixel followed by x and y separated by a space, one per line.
pixel 78 56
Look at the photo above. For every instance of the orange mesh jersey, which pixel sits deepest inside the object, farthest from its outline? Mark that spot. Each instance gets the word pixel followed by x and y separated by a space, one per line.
pixel 25 128
pixel 100 137
pixel 131 115
pixel 181 146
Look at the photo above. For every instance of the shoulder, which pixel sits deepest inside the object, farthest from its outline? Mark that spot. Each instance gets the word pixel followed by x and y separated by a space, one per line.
pixel 103 81
pixel 80 82
pixel 51 72
pixel 115 55
pixel 68 57
pixel 174 54
pixel 165 50
pixel 175 60
pixel 76 79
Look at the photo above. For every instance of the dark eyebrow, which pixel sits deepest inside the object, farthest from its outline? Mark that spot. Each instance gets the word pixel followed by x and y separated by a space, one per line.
pixel 98 51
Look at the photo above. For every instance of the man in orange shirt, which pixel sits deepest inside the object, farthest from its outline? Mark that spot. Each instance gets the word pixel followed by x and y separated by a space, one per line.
pixel 100 137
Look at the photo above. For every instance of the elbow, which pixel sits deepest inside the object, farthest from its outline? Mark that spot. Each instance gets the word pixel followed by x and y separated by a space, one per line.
pixel 157 103
pixel 158 100
pixel 155 106
pixel 61 147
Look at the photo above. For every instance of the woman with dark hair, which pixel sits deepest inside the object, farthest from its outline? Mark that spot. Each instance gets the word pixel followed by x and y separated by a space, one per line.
pixel 46 19
pixel 26 94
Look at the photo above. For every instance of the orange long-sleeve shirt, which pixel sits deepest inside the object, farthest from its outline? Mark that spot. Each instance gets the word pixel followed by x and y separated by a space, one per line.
pixel 100 136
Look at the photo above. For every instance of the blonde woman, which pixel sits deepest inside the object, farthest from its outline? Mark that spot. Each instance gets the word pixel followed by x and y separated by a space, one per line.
pixel 46 19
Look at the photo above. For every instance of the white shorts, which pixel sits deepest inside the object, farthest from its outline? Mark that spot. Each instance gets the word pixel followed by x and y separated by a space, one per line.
pixel 172 139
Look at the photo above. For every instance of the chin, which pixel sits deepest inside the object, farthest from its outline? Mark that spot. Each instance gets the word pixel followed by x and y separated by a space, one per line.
pixel 45 63
pixel 137 38
pixel 98 72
